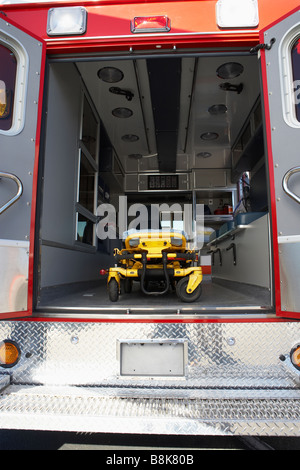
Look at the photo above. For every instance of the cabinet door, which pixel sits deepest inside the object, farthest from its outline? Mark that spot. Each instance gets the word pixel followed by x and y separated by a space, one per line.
pixel 207 178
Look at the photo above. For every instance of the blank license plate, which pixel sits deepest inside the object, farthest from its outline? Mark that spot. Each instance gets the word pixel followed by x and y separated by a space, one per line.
pixel 153 358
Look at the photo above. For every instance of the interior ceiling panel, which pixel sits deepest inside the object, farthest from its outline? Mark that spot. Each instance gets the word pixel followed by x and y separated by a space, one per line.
pixel 131 135
pixel 218 113
pixel 169 103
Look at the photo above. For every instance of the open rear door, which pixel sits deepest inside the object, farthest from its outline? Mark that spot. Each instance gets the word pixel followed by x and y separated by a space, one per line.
pixel 21 64
pixel 280 61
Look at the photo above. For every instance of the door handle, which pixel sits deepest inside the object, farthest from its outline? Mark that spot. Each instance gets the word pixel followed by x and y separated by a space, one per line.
pixel 285 183
pixel 17 195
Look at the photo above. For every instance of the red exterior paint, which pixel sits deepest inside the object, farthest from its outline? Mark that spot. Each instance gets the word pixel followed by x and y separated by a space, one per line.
pixel 109 18
pixel 193 25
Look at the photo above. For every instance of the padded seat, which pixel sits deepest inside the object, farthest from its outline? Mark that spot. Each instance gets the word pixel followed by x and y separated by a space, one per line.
pixel 226 227
pixel 214 235
pixel 245 218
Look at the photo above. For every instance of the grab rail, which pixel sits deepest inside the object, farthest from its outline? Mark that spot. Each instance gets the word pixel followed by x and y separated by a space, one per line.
pixel 19 192
pixel 285 182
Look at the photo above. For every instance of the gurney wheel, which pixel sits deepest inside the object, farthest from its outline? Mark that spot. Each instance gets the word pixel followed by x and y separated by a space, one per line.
pixel 183 294
pixel 113 290
pixel 127 285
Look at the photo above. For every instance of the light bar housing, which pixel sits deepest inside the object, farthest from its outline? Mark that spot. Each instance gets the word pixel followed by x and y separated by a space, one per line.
pixel 65 21
pixel 237 13
pixel 150 24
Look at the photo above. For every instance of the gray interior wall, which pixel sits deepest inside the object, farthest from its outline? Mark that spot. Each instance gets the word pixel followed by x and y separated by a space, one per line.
pixel 61 154
pixel 62 260
pixel 252 256
pixel 65 266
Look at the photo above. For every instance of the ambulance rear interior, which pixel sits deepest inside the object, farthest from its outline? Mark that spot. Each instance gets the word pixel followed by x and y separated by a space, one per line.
pixel 153 129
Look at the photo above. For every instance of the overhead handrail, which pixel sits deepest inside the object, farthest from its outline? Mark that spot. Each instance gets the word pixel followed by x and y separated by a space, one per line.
pixel 17 195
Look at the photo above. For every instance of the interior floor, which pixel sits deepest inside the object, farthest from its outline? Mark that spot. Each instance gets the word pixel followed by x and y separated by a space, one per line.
pixel 93 297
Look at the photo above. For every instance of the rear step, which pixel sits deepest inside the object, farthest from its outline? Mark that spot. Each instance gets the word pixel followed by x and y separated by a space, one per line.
pixel 148 411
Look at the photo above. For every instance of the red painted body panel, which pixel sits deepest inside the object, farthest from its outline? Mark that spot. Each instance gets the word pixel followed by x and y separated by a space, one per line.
pixel 193 24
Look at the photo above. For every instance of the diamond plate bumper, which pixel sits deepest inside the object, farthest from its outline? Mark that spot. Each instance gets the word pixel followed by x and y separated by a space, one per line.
pixel 126 411
pixel 69 379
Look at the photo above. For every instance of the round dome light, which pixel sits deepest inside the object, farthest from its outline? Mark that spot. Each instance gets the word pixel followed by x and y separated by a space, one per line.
pixel 230 70
pixel 110 74
pixel 217 109
pixel 209 136
pixel 130 138
pixel 203 155
pixel 122 113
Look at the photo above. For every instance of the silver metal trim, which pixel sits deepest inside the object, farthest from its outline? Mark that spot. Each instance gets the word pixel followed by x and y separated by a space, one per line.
pixel 168 35
pixel 19 192
pixel 285 182
pixel 132 317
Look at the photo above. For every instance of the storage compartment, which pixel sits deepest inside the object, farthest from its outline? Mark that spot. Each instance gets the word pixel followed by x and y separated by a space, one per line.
pixel 153 144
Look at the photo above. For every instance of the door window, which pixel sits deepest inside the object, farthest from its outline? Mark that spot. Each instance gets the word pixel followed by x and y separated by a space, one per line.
pixel 296 75
pixel 8 72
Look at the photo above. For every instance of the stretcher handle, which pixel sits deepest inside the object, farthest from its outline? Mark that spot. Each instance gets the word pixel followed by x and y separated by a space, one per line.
pixel 285 183
pixel 17 195
pixel 166 275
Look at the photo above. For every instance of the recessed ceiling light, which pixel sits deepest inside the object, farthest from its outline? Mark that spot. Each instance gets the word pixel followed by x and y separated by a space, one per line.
pixel 209 136
pixel 203 155
pixel 110 74
pixel 217 109
pixel 230 70
pixel 130 138
pixel 122 112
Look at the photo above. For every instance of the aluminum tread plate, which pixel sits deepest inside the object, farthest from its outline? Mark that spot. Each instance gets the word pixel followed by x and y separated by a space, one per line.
pixel 228 355
pixel 95 410
pixel 68 378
